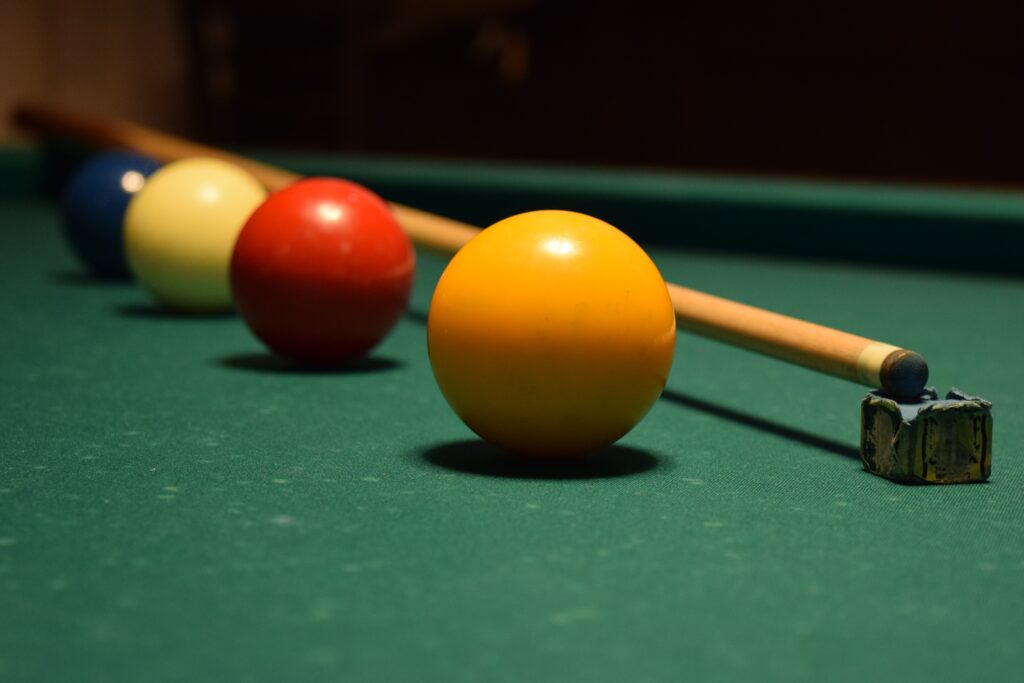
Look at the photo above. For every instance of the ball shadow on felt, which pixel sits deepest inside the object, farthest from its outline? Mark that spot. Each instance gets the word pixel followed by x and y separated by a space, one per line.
pixel 474 456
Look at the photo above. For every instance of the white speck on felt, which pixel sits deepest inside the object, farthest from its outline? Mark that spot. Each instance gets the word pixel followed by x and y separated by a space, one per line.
pixel 803 628
pixel 171 489
pixel 371 480
pixel 569 617
pixel 279 481
pixel 533 506
pixel 906 608
pixel 713 524
pixel 322 610
pixel 126 601
pixel 282 520
pixel 323 656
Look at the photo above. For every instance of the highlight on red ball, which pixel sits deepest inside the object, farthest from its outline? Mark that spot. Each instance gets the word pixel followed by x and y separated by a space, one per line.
pixel 321 271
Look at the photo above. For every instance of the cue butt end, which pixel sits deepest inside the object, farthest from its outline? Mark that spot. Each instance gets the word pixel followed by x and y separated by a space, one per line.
pixel 904 374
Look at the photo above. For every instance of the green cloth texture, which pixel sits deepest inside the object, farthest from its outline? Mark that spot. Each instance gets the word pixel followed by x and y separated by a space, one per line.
pixel 175 504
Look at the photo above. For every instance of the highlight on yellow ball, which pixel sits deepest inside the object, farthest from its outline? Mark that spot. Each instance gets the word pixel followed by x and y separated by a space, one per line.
pixel 551 333
pixel 181 227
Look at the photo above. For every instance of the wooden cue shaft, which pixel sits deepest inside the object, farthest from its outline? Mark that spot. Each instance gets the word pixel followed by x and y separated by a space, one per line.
pixel 820 348
pixel 426 229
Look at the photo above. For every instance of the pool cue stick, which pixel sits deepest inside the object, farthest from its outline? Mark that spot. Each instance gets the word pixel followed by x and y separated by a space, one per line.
pixel 897 371
pixel 425 229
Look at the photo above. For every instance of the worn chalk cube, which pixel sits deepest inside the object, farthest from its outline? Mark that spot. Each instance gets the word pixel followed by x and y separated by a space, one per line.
pixel 930 440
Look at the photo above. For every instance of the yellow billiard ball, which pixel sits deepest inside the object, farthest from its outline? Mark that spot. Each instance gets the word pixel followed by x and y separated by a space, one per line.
pixel 551 333
pixel 180 230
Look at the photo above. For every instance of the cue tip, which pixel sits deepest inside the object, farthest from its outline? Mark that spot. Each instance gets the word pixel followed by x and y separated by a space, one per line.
pixel 904 374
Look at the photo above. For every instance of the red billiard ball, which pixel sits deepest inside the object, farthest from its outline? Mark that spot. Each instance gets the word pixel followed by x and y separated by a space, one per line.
pixel 321 271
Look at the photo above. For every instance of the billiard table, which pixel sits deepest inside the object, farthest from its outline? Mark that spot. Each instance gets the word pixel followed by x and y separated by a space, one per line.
pixel 176 504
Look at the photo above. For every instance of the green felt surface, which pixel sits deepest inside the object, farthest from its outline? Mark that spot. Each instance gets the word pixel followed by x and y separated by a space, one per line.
pixel 174 505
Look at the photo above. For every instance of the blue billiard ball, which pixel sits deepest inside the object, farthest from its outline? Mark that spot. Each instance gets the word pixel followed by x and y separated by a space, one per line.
pixel 94 205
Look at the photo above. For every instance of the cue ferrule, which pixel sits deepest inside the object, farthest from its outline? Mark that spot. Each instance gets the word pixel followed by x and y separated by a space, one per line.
pixel 870 360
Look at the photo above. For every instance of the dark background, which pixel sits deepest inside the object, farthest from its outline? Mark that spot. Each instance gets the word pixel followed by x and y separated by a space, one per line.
pixel 906 91
pixel 921 91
